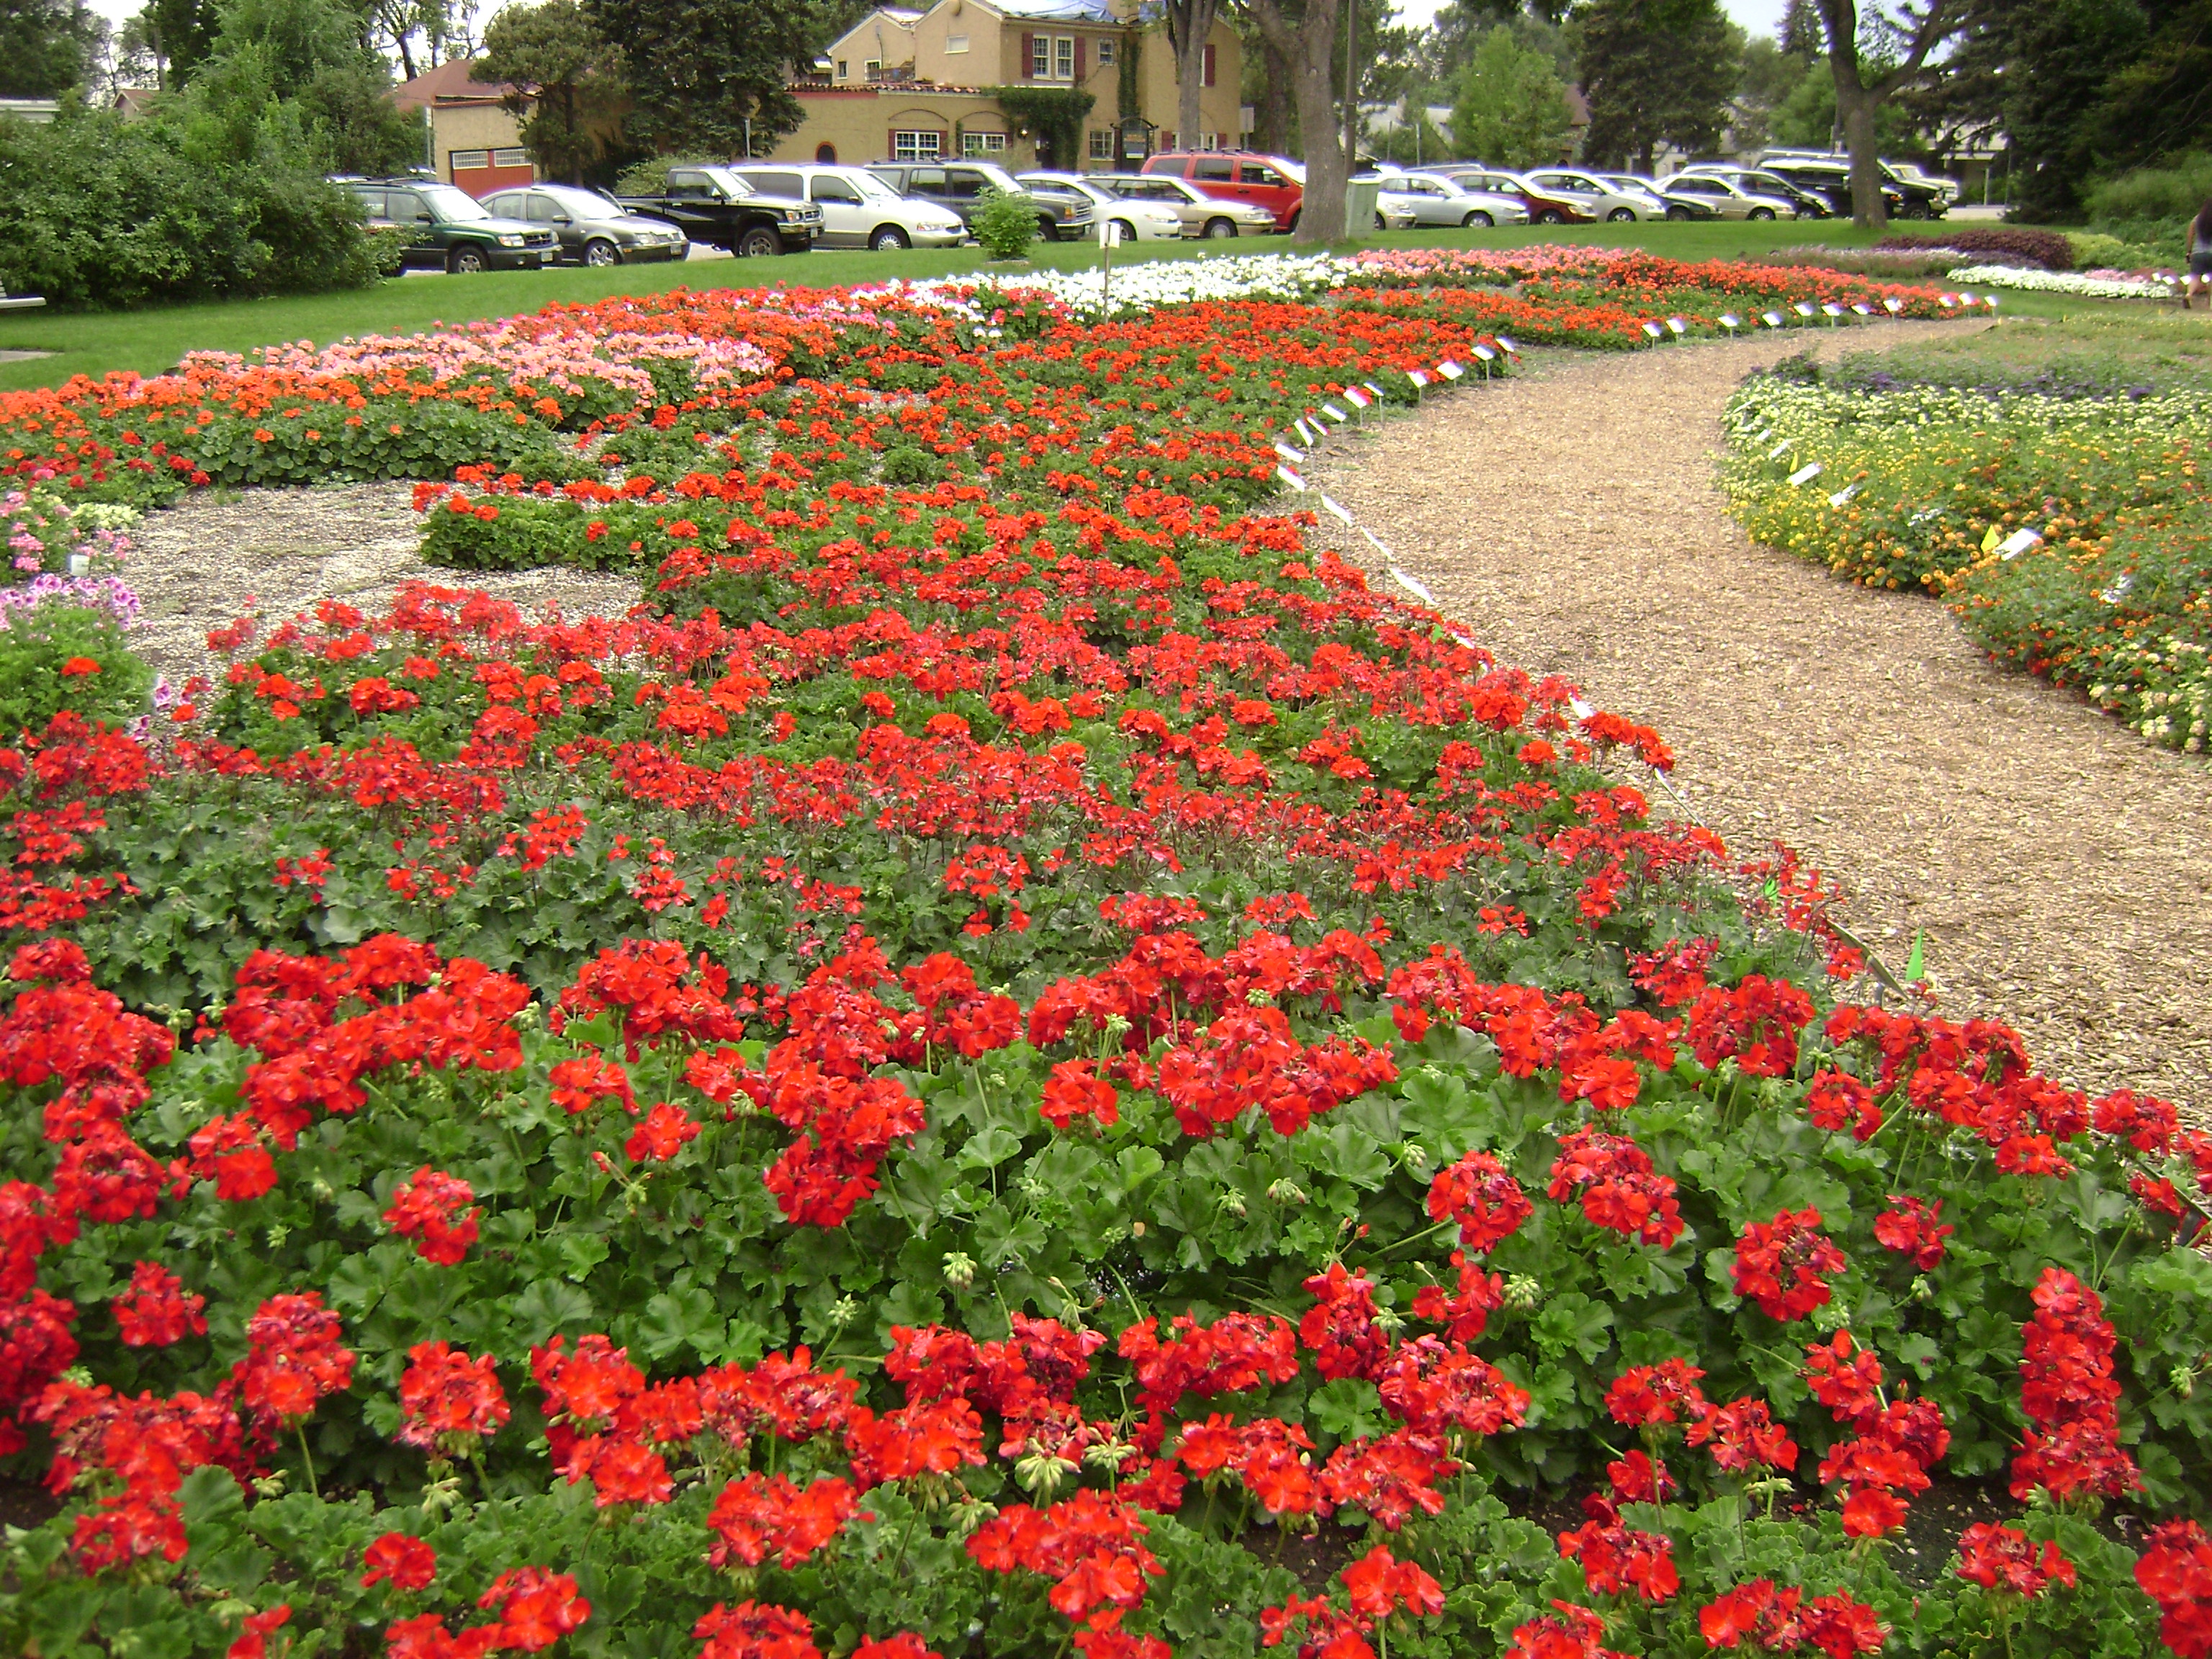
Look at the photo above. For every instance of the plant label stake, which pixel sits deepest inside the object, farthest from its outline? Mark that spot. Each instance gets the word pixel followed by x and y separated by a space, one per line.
pixel 1110 238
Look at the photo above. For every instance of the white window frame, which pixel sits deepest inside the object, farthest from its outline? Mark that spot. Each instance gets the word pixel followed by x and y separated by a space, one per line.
pixel 468 160
pixel 1105 49
pixel 955 43
pixel 981 146
pixel 510 158
pixel 921 144
pixel 844 69
pixel 872 69
pixel 1052 58
pixel 1102 144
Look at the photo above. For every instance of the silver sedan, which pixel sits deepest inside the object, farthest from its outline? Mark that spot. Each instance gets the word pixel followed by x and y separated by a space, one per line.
pixel 1437 203
pixel 1601 197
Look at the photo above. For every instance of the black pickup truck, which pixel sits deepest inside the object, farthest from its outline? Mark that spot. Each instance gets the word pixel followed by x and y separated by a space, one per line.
pixel 715 205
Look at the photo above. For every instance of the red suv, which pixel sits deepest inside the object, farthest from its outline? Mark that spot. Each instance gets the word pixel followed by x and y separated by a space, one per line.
pixel 1267 181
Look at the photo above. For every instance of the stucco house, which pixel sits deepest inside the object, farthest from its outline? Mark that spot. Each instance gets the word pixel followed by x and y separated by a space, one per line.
pixel 470 138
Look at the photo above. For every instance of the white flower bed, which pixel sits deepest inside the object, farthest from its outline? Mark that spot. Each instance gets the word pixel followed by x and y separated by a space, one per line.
pixel 1143 286
pixel 2062 282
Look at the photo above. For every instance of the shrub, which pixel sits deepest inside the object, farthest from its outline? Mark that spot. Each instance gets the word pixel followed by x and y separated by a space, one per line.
pixel 2048 249
pixel 99 213
pixel 62 656
pixel 2095 251
pixel 650 176
pixel 2167 195
pixel 1005 224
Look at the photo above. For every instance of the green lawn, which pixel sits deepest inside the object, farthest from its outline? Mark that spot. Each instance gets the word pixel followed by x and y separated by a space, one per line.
pixel 150 341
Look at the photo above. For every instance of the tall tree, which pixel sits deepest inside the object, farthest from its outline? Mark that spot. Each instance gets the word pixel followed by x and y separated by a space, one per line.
pixel 1895 46
pixel 1267 87
pixel 285 63
pixel 181 35
pixel 1302 34
pixel 706 73
pixel 1190 25
pixel 1512 107
pixel 1654 72
pixel 45 46
pixel 566 83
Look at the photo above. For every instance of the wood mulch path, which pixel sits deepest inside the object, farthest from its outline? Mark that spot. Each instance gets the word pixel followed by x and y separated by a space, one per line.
pixel 2060 867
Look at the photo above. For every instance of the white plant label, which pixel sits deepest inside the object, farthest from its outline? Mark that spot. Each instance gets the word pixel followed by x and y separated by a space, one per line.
pixel 1803 475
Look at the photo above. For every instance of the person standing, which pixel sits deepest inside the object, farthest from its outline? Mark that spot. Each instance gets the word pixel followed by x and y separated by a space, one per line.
pixel 2200 254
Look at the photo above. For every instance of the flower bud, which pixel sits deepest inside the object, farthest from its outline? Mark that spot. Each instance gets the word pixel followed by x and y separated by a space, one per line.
pixel 1523 1293
pixel 959 1270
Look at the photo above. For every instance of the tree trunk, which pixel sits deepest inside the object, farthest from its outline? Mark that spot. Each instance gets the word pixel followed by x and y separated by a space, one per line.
pixel 1190 22
pixel 1855 113
pixel 1271 117
pixel 1309 44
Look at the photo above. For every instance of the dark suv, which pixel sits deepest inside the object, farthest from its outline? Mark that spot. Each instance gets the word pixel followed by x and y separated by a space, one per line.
pixel 1062 216
pixel 453 231
pixel 1831 180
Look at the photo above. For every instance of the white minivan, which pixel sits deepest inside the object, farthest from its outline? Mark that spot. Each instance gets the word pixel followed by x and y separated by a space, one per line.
pixel 858 209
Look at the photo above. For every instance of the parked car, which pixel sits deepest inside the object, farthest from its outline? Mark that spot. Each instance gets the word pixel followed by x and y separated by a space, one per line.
pixel 452 231
pixel 1911 172
pixel 1545 207
pixel 712 204
pixel 1140 221
pixel 1670 207
pixel 1762 183
pixel 1829 177
pixel 590 228
pixel 1438 202
pixel 1062 216
pixel 1729 199
pixel 1272 182
pixel 858 209
pixel 1599 196
pixel 1201 215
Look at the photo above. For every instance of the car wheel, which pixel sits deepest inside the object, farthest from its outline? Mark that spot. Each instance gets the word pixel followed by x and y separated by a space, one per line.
pixel 600 252
pixel 1129 231
pixel 889 239
pixel 1550 216
pixel 1478 217
pixel 1677 213
pixel 1760 213
pixel 466 261
pixel 1048 230
pixel 758 243
pixel 1218 229
pixel 1293 225
pixel 1622 216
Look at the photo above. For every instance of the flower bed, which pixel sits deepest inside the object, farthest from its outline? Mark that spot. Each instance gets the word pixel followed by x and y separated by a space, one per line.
pixel 2092 285
pixel 1016 1060
pixel 2067 533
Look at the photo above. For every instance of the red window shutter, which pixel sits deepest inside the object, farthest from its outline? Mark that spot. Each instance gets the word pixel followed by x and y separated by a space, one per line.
pixel 1028 58
pixel 1209 63
pixel 1080 71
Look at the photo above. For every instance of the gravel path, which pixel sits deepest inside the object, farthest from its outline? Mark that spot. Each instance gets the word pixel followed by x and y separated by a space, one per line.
pixel 275 552
pixel 2061 868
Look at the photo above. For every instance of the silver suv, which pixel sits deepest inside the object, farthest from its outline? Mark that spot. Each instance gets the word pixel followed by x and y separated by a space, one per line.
pixel 858 209
pixel 1062 216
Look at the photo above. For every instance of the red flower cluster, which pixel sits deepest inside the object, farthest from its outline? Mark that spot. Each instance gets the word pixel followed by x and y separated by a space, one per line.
pixel 1914 1230
pixel 1441 1390
pixel 1377 1587
pixel 1236 1353
pixel 2176 1572
pixel 1274 1460
pixel 1897 1441
pixel 155 1311
pixel 1341 1329
pixel 1754 1022
pixel 1086 1546
pixel 757 1515
pixel 536 1610
pixel 1781 1620
pixel 448 1402
pixel 753 1630
pixel 1780 1264
pixel 1617 1560
pixel 1619 1190
pixel 606 1425
pixel 1575 1633
pixel 1647 1396
pixel 407 1563
pixel 1743 1436
pixel 292 1359
pixel 435 1210
pixel 1464 1309
pixel 1481 1194
pixel 2071 1396
pixel 1998 1557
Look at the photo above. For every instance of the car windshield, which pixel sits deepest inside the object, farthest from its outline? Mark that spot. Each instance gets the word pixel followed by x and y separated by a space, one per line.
pixel 869 186
pixel 999 177
pixel 732 185
pixel 450 202
pixel 581 204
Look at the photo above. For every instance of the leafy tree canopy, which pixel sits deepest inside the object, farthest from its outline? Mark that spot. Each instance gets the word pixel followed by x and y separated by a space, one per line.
pixel 1654 72
pixel 1512 107
pixel 571 94
pixel 706 71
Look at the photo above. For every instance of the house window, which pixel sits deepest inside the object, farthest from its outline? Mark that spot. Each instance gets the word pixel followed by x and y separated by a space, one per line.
pixel 1102 144
pixel 469 161
pixel 955 43
pixel 1105 49
pixel 982 143
pixel 1209 65
pixel 1052 58
pixel 844 69
pixel 873 68
pixel 510 158
pixel 917 146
